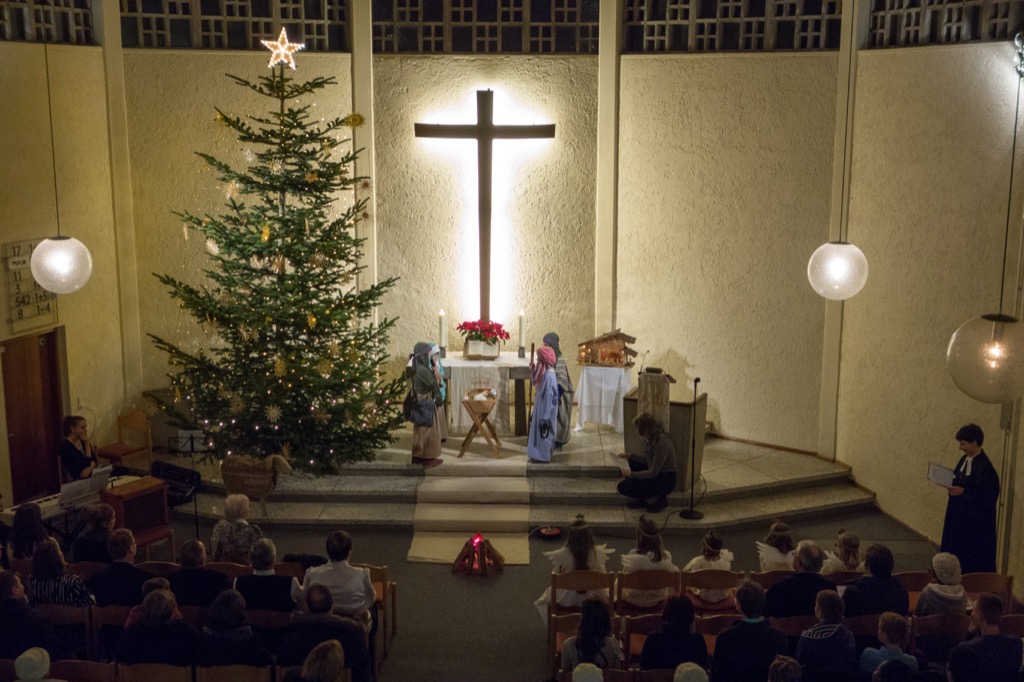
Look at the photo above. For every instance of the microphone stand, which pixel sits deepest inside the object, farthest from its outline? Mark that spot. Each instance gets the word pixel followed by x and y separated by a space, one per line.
pixel 195 493
pixel 691 513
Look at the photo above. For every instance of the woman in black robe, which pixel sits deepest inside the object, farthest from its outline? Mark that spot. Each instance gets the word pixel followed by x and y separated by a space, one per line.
pixel 969 531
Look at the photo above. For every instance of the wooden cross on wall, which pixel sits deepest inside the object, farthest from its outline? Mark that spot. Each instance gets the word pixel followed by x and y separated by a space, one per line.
pixel 484 131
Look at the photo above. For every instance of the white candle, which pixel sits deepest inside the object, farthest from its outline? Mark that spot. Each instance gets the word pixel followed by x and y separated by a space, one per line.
pixel 522 328
pixel 442 330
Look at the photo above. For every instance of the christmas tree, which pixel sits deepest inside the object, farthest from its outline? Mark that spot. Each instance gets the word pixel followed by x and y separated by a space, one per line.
pixel 296 367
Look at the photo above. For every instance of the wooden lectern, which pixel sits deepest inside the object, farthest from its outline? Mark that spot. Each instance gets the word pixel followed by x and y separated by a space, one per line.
pixel 681 408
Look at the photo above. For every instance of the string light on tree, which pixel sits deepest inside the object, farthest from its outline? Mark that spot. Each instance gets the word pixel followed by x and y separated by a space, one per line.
pixel 282 51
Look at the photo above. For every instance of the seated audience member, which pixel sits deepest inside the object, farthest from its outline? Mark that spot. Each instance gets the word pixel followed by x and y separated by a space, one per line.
pixel 946 594
pixel 878 591
pixel 21 626
pixel 711 557
pixel 784 669
pixel 746 649
pixel 195 585
pixel 226 638
pixel 593 642
pixel 892 671
pixel 157 638
pixel 828 645
pixel 51 583
pixel 307 630
pixel 650 555
pixel 34 664
pixel 91 545
pixel 677 642
pixel 892 633
pixel 848 557
pixel 233 536
pixel 580 553
pixel 27 529
pixel 264 589
pixel 325 663
pixel 777 550
pixel 151 585
pixel 999 656
pixel 963 665
pixel 689 672
pixel 795 594
pixel 587 672
pixel 351 588
pixel 120 583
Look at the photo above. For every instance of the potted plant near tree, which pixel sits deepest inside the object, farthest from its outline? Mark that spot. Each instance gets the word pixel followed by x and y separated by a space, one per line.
pixel 482 339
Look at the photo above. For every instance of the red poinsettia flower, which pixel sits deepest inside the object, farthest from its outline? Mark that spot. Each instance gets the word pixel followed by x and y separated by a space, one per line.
pixel 478 330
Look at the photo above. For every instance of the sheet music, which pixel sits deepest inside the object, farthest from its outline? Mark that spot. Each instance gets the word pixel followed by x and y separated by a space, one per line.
pixel 939 474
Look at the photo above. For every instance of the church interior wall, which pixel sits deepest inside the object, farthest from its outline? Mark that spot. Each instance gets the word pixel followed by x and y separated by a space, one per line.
pixel 91 316
pixel 171 99
pixel 931 158
pixel 724 186
pixel 543 261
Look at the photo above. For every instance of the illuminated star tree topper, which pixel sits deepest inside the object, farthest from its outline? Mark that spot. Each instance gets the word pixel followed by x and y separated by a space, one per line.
pixel 282 51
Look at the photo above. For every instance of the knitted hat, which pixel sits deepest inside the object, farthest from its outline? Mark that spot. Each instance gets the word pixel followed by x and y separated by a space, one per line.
pixel 34 664
pixel 947 568
pixel 587 672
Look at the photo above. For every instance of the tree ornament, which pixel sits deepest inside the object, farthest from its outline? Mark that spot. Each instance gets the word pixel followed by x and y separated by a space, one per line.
pixel 273 413
pixel 281 51
pixel 212 247
pixel 280 368
pixel 312 176
pixel 237 406
pixel 311 320
pixel 232 190
pixel 223 392
pixel 318 259
pixel 334 348
pixel 250 155
pixel 265 233
pixel 276 166
pixel 353 120
pixel 324 368
pixel 279 263
pixel 184 230
pixel 321 416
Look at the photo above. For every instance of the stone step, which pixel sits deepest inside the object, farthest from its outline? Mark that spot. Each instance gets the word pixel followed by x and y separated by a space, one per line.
pixel 722 514
pixel 472 518
pixel 474 490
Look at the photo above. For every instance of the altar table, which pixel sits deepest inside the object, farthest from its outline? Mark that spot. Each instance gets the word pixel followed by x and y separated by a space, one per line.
pixel 600 394
pixel 463 374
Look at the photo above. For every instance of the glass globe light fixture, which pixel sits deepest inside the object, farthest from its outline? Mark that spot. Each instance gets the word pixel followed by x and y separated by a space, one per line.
pixel 985 358
pixel 61 264
pixel 837 270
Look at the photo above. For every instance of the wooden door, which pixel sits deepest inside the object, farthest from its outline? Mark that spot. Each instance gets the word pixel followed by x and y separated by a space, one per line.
pixel 33 408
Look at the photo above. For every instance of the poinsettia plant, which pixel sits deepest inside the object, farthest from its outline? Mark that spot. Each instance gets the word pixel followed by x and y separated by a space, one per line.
pixel 478 330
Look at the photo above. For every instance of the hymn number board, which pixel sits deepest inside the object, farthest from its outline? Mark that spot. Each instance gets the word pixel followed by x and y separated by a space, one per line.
pixel 28 304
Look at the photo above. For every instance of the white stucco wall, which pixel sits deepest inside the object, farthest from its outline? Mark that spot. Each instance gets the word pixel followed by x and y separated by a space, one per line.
pixel 725 172
pixel 931 157
pixel 544 196
pixel 91 315
pixel 171 98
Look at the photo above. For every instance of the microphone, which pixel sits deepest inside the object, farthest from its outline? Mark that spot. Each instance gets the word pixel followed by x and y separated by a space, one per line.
pixel 696 380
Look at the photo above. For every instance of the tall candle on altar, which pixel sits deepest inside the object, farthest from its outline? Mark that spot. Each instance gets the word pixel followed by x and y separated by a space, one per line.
pixel 522 328
pixel 442 330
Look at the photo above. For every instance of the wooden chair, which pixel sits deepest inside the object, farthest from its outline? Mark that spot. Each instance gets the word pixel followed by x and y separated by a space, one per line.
pixel 793 626
pixel 864 629
pixel 193 615
pixel 86 569
pixel 913 582
pixel 711 626
pixel 234 673
pixel 574 581
pixel 73 622
pixel 290 568
pixel 265 619
pixel 634 633
pixel 560 628
pixel 932 637
pixel 281 671
pixel 665 675
pixel 107 624
pixel 609 675
pixel 161 569
pixel 768 578
pixel 712 579
pixel 141 444
pixel 843 577
pixel 83 671
pixel 643 580
pixel 387 603
pixel 996 583
pixel 231 570
pixel 1012 625
pixel 153 672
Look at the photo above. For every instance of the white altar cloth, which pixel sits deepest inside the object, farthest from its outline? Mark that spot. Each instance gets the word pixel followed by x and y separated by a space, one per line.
pixel 600 394
pixel 467 374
